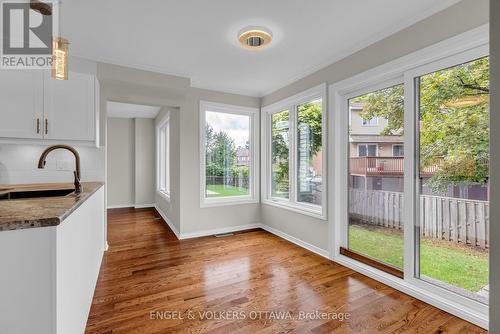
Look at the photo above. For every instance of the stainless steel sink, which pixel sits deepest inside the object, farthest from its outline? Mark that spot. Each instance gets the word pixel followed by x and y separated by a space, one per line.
pixel 36 194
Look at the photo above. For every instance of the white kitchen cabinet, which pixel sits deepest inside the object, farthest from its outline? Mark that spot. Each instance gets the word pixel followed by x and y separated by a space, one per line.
pixel 34 106
pixel 69 107
pixel 21 104
pixel 48 274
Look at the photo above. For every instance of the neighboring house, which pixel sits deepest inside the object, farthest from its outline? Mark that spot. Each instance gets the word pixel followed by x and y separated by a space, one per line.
pixel 242 156
pixel 377 162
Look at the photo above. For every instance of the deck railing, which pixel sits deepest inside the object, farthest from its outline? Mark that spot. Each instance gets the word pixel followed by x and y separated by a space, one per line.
pixel 388 166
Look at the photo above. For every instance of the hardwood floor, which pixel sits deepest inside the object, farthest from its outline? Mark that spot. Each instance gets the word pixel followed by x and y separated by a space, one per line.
pixel 148 274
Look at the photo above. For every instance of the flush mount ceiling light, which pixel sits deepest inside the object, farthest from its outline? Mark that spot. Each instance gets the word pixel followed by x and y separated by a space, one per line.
pixel 255 38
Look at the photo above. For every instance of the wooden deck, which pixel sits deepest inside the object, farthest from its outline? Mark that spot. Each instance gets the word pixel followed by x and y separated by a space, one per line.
pixel 148 270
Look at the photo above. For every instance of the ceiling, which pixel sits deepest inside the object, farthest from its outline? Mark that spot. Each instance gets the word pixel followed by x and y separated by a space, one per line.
pixel 128 110
pixel 198 38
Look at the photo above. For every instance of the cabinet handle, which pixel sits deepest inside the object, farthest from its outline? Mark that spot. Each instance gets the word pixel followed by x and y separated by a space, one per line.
pixel 38 125
pixel 46 126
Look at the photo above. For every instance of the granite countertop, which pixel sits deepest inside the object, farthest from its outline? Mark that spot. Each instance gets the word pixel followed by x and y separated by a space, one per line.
pixel 23 213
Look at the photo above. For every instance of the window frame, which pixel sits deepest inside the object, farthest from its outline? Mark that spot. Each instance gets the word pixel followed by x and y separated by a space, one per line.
pixel 253 114
pixel 468 46
pixel 366 145
pixel 376 118
pixel 393 146
pixel 163 124
pixel 290 104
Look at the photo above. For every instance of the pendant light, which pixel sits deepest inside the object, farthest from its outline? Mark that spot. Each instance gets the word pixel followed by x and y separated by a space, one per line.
pixel 59 52
pixel 60 58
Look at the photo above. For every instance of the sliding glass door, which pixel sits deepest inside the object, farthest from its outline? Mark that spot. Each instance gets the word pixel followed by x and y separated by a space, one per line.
pixel 453 178
pixel 375 175
pixel 414 176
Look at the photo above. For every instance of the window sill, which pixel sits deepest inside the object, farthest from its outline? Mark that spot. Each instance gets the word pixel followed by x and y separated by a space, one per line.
pixel 302 209
pixel 165 195
pixel 224 201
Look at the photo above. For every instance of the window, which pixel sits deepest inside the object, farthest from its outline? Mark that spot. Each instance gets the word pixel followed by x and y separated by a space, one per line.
pixel 228 141
pixel 367 150
pixel 398 150
pixel 294 148
pixel 163 156
pixel 280 152
pixel 369 122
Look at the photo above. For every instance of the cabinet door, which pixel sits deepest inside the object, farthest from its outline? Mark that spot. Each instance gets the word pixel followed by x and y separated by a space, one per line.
pixel 69 107
pixel 21 103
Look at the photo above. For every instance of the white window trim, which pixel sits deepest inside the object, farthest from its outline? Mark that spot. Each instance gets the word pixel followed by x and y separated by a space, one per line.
pixel 370 125
pixel 290 104
pixel 164 121
pixel 253 197
pixel 465 47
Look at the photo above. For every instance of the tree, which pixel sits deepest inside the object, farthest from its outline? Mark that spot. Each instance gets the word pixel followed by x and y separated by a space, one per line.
pixel 309 116
pixel 454 121
pixel 220 153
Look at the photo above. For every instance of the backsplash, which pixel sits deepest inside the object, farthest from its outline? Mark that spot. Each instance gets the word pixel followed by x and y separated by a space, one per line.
pixel 18 164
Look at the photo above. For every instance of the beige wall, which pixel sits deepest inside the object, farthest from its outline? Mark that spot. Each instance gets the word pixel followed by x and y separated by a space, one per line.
pixel 194 218
pixel 121 162
pixel 463 16
pixel 144 141
pixel 495 172
pixel 131 161
pixel 357 127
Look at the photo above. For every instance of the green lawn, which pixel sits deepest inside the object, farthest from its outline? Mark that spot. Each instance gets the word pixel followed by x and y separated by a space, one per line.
pixel 220 190
pixel 456 265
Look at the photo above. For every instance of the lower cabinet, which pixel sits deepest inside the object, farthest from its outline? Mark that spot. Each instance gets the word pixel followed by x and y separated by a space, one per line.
pixel 48 274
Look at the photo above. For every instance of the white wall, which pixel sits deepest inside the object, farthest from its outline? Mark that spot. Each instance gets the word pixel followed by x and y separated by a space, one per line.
pixel 495 172
pixel 121 162
pixel 19 164
pixel 457 19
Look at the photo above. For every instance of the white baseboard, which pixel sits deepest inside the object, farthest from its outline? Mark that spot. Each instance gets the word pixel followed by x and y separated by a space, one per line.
pixel 168 221
pixel 141 206
pixel 135 206
pixel 120 206
pixel 297 241
pixel 206 233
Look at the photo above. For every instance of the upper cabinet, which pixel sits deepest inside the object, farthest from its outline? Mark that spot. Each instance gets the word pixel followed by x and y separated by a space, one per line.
pixel 21 104
pixel 69 107
pixel 35 106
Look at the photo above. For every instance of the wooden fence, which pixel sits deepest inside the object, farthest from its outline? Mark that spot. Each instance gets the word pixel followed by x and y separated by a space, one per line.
pixel 445 218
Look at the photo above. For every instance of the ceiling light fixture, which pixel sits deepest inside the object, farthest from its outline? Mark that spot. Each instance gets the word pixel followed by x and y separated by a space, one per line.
pixel 255 38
